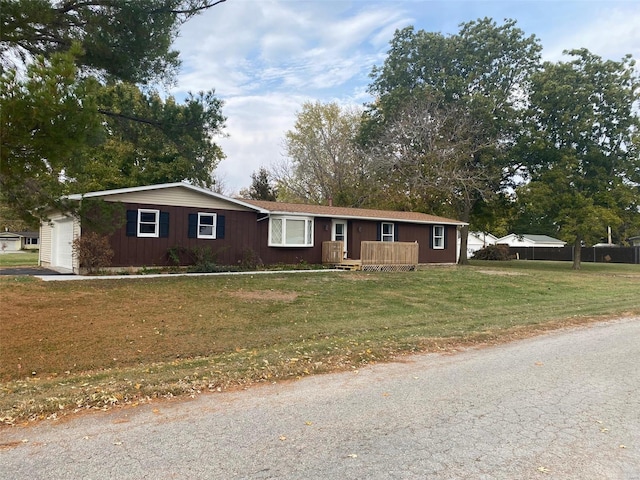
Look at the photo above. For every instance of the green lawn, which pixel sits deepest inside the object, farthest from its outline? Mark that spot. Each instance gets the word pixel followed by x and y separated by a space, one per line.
pixel 19 259
pixel 96 343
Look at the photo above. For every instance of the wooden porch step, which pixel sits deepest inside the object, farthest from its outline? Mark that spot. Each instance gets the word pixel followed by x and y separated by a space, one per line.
pixel 348 264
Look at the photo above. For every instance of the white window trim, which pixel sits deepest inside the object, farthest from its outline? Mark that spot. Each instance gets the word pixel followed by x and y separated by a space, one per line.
pixel 440 237
pixel 213 230
pixel 308 231
pixel 156 224
pixel 391 235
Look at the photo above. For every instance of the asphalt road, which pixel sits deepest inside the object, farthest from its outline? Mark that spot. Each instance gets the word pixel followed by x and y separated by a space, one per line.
pixel 565 405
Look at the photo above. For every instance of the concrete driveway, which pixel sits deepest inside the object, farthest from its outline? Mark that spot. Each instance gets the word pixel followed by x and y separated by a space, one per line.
pixel 564 405
pixel 30 271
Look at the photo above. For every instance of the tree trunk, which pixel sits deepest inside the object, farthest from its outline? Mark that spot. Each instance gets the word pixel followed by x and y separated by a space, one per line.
pixel 464 235
pixel 577 253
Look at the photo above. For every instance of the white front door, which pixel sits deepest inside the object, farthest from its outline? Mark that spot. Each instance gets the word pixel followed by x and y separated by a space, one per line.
pixel 62 233
pixel 339 234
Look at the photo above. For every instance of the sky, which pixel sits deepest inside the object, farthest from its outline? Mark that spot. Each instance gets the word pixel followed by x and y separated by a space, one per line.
pixel 265 58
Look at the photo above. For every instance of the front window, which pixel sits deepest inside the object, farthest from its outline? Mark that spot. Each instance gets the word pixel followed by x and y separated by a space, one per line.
pixel 387 232
pixel 438 236
pixel 206 225
pixel 290 232
pixel 148 221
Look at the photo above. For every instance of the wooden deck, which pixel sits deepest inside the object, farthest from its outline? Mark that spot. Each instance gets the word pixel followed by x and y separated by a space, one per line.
pixel 375 256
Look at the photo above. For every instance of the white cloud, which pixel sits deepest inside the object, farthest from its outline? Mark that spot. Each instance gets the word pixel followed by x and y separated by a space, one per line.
pixel 256 126
pixel 611 33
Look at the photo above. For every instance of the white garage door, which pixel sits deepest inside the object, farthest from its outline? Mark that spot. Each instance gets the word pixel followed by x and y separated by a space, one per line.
pixel 62 236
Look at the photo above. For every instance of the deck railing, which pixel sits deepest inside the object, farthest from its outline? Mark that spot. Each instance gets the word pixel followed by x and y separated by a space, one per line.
pixel 389 253
pixel 332 252
pixel 376 256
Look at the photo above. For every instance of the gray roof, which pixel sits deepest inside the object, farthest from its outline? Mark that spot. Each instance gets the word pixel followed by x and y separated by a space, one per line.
pixel 541 238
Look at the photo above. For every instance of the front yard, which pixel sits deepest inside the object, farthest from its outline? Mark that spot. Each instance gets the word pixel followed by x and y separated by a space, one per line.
pixel 70 346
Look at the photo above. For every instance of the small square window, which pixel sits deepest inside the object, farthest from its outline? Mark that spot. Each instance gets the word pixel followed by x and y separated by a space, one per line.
pixel 206 225
pixel 148 221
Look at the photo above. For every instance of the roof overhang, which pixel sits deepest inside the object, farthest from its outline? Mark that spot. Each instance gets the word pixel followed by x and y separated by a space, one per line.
pixel 369 218
pixel 162 186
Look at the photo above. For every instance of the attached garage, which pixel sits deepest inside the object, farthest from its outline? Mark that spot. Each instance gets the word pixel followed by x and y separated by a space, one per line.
pixel 57 252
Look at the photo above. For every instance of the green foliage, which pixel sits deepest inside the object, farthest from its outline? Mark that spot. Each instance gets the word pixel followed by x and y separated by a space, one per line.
pixel 199 259
pixel 262 187
pixel 147 140
pixel 73 116
pixel 579 150
pixel 100 216
pixel 93 251
pixel 485 66
pixel 129 40
pixel 48 117
pixel 250 260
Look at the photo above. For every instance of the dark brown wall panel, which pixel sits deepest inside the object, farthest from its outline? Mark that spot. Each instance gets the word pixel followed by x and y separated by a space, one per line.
pixel 245 233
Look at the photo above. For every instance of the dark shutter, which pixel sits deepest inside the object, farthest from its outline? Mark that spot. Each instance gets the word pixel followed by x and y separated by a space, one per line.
pixel 164 224
pixel 220 226
pixel 193 225
pixel 395 232
pixel 431 232
pixel 379 232
pixel 132 221
pixel 444 236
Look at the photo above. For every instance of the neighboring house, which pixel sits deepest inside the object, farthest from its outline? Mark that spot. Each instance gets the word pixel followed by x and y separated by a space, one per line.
pixel 158 218
pixel 528 240
pixel 479 240
pixel 635 241
pixel 16 241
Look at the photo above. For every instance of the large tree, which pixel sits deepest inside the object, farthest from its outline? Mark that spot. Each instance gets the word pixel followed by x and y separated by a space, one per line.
pixel 482 72
pixel 322 159
pixel 128 40
pixel 435 157
pixel 579 149
pixel 148 139
pixel 48 118
pixel 74 114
